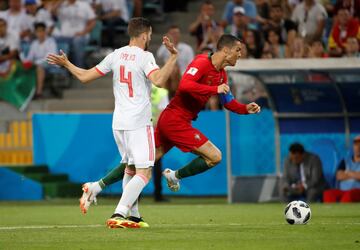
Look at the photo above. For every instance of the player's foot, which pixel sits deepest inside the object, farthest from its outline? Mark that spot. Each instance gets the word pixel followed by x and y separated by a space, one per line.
pixel 172 182
pixel 118 221
pixel 140 221
pixel 88 196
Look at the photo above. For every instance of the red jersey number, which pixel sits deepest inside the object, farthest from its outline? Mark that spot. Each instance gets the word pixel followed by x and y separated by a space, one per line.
pixel 127 80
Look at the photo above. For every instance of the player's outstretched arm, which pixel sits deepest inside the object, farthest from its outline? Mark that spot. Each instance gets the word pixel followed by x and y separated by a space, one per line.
pixel 160 77
pixel 233 105
pixel 84 75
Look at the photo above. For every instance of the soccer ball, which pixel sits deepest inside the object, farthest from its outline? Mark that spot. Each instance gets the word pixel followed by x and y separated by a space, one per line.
pixel 297 212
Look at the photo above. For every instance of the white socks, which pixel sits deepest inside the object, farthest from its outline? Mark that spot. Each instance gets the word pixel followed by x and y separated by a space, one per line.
pixel 131 192
pixel 96 189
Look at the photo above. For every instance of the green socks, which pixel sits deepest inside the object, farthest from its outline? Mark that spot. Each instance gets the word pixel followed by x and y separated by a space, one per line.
pixel 195 167
pixel 113 176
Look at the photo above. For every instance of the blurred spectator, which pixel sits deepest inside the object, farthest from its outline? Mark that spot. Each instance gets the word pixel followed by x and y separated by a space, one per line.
pixel 114 13
pixel 204 24
pixel 17 20
pixel 297 49
pixel 317 50
pixel 286 27
pixel 344 27
pixel 159 101
pixel 249 7
pixel 39 14
pixel 310 16
pixel 329 6
pixel 76 20
pixel 39 49
pixel 352 47
pixel 239 25
pixel 253 44
pixel 285 7
pixel 303 176
pixel 263 11
pixel 273 44
pixel 352 5
pixel 186 55
pixel 348 176
pixel 9 47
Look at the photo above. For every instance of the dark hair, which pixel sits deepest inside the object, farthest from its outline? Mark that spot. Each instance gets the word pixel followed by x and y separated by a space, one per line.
pixel 137 26
pixel 40 26
pixel 173 26
pixel 3 20
pixel 317 41
pixel 296 148
pixel 276 6
pixel 226 41
pixel 207 2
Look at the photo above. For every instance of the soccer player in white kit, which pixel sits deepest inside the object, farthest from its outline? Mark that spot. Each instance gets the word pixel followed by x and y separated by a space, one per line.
pixel 133 69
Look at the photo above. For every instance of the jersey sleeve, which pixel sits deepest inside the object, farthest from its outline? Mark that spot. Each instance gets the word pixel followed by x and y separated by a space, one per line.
pixel 105 65
pixel 149 65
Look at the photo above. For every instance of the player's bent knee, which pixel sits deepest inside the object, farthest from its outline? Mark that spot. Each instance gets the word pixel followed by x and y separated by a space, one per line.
pixel 147 173
pixel 215 159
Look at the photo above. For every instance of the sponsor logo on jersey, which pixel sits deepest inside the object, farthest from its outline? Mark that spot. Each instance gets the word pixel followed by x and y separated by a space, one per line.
pixel 192 71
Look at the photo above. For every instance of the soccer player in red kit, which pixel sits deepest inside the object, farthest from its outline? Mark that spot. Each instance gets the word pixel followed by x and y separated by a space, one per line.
pixel 204 77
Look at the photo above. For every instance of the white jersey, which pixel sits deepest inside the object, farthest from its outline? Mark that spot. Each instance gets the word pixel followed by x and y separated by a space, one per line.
pixel 131 67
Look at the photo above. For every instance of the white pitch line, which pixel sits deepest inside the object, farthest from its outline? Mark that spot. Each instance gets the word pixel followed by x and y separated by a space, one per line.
pixel 169 225
pixel 50 227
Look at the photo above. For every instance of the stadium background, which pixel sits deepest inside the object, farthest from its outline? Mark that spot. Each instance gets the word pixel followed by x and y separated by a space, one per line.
pixel 258 144
pixel 50 145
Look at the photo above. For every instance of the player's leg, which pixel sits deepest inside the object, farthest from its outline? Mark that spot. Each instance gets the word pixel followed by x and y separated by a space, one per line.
pixel 209 156
pixel 141 151
pixel 92 189
pixel 117 173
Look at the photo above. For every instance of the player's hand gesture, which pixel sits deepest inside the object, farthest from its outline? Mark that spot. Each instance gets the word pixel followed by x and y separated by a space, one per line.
pixel 253 108
pixel 60 60
pixel 223 89
pixel 169 45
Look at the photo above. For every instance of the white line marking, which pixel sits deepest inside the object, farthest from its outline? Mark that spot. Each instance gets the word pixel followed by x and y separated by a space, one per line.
pixel 49 227
pixel 170 225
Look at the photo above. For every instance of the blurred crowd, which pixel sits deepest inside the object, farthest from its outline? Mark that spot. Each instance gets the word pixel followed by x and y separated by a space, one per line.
pixel 284 28
pixel 30 29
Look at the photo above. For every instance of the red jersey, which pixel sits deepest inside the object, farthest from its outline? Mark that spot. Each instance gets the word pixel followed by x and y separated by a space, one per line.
pixel 199 82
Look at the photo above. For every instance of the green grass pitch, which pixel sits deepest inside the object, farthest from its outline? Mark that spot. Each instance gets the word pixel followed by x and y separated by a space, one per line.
pixel 182 224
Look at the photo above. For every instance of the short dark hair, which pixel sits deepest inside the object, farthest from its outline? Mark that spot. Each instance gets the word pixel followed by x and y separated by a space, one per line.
pixel 227 41
pixel 296 148
pixel 276 6
pixel 137 26
pixel 173 26
pixel 40 25
pixel 207 2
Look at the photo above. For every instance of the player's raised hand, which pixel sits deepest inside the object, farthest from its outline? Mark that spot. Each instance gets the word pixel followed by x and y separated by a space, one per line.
pixel 223 89
pixel 253 108
pixel 169 45
pixel 60 60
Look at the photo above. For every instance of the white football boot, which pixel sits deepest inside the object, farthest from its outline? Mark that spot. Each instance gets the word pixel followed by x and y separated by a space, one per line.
pixel 172 182
pixel 88 197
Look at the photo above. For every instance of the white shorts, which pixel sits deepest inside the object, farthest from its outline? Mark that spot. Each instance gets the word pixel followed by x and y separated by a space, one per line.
pixel 136 147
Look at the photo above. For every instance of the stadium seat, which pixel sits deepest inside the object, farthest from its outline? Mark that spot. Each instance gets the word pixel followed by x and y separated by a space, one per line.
pixel 326 150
